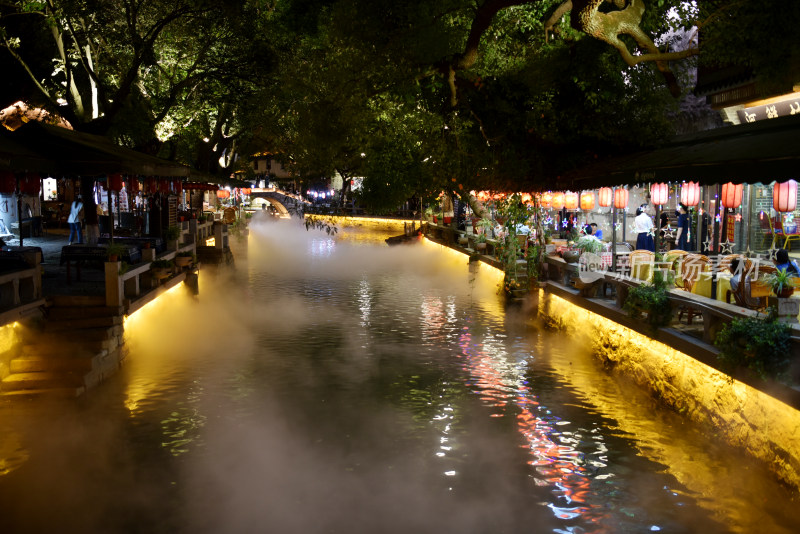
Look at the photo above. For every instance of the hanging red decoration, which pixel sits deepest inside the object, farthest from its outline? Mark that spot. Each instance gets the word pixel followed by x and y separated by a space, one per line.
pixel 690 194
pixel 178 186
pixel 659 194
pixel 546 200
pixel 115 182
pixel 571 201
pixel 30 184
pixel 246 191
pixel 133 185
pixel 784 196
pixel 151 185
pixel 620 198
pixel 524 197
pixel 606 197
pixel 8 182
pixel 222 193
pixel 558 201
pixel 163 187
pixel 731 195
pixel 587 200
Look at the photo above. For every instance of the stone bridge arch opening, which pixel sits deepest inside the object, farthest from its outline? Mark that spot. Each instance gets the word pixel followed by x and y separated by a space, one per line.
pixel 259 199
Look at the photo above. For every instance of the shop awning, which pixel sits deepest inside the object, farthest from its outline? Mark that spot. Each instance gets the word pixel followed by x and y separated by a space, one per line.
pixel 758 152
pixel 53 149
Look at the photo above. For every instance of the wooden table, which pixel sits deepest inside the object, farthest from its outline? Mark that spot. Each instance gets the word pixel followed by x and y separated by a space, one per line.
pixel 79 254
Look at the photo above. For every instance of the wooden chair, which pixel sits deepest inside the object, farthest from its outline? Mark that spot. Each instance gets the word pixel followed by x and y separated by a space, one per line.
pixel 675 260
pixel 778 233
pixel 691 269
pixel 739 294
pixel 638 260
pixel 766 226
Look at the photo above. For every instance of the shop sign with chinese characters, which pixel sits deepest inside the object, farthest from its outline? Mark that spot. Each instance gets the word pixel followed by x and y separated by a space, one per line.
pixel 770 111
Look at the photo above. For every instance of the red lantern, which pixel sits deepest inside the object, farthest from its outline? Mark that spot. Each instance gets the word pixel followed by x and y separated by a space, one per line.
pixel 784 196
pixel 524 197
pixel 659 194
pixel 546 200
pixel 587 200
pixel 558 201
pixel 133 186
pixel 222 193
pixel 8 182
pixel 621 198
pixel 163 186
pixel 115 182
pixel 30 184
pixel 151 185
pixel 246 190
pixel 571 201
pixel 690 194
pixel 606 197
pixel 731 195
pixel 178 185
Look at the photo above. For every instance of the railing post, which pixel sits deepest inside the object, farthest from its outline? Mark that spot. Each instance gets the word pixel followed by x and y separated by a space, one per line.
pixel 114 291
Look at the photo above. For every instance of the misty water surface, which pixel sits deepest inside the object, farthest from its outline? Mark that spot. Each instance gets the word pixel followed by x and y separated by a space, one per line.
pixel 340 385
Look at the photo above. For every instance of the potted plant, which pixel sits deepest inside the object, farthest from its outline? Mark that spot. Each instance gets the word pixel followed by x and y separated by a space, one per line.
pixel 780 282
pixel 484 226
pixel 161 268
pixel 589 243
pixel 172 233
pixel 114 251
pixel 182 259
pixel 480 242
pixel 761 345
pixel 650 300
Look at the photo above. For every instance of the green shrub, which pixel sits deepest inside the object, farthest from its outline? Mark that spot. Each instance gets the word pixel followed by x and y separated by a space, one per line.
pixel 172 233
pixel 651 299
pixel 761 344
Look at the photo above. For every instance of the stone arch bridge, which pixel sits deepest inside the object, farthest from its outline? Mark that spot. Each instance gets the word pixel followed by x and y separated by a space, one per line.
pixel 285 204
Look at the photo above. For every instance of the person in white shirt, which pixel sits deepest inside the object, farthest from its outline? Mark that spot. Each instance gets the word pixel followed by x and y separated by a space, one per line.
pixel 74 220
pixel 644 229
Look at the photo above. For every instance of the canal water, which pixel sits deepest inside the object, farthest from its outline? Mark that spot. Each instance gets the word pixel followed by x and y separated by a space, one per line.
pixel 335 384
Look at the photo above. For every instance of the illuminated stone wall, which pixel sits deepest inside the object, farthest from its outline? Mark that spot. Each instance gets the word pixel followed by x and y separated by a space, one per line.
pixel 9 338
pixel 744 417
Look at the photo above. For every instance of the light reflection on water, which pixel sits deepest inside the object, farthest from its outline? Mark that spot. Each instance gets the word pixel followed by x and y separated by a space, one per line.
pixel 338 386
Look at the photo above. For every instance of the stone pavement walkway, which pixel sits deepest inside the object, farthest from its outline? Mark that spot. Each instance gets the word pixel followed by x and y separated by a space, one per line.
pixel 54 275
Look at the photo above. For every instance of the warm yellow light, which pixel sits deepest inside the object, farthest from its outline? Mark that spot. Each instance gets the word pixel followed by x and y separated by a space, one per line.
pixel 150 305
pixel 211 241
pixel 344 220
pixel 743 416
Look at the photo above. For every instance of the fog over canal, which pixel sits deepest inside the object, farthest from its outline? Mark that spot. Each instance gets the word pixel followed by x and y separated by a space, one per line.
pixel 335 384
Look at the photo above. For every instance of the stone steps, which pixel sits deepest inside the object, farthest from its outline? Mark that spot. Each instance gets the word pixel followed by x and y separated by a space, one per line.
pixel 41 380
pixel 30 363
pixel 81 323
pixel 72 313
pixel 77 347
pixel 60 392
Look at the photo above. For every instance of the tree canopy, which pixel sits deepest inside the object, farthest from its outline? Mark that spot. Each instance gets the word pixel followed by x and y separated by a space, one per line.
pixel 414 96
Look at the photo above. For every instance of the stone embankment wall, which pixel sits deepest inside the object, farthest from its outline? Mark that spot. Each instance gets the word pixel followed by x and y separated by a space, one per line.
pixel 742 416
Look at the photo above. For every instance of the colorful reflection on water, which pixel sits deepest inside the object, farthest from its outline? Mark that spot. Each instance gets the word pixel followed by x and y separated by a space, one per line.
pixel 335 384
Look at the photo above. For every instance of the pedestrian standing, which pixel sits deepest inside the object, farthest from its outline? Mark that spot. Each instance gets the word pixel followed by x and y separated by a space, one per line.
pixel 74 220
